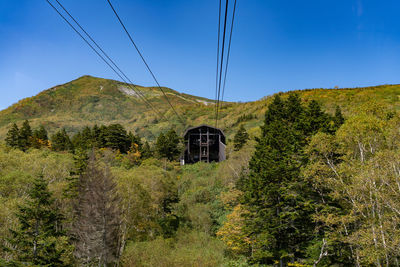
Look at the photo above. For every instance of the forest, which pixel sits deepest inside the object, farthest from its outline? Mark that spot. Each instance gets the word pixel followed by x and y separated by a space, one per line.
pixel 312 187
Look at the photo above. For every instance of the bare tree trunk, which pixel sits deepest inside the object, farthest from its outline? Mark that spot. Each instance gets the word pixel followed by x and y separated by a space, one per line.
pixel 378 207
pixel 322 253
pixel 372 204
pixel 354 251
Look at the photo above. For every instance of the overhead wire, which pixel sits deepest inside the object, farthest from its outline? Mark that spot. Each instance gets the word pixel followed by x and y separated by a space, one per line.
pixel 126 80
pixel 219 35
pixel 131 85
pixel 222 62
pixel 145 62
pixel 229 52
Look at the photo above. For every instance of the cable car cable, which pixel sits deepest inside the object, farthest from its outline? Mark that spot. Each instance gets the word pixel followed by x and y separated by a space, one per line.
pixel 144 61
pixel 229 52
pixel 216 77
pixel 130 84
pixel 105 61
pixel 222 62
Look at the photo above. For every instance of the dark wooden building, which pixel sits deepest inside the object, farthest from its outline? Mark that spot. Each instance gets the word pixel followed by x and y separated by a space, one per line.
pixel 203 143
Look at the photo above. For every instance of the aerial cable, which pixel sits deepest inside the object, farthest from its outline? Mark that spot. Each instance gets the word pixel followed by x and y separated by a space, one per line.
pixel 216 76
pixel 229 52
pixel 105 61
pixel 144 61
pixel 130 83
pixel 222 62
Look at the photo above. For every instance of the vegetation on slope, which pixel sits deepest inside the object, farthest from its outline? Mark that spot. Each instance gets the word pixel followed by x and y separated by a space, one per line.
pixel 316 190
pixel 89 100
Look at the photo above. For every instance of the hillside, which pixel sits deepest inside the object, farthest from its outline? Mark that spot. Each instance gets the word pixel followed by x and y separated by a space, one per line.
pixel 88 100
pixel 326 173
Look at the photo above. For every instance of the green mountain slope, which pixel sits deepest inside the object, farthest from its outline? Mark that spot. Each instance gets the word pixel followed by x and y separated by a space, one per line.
pixel 89 100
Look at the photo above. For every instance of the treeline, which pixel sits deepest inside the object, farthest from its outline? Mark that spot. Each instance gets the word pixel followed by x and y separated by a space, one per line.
pixel 114 137
pixel 25 138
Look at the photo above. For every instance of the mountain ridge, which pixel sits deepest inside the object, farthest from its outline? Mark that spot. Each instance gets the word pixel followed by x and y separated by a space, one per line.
pixel 88 100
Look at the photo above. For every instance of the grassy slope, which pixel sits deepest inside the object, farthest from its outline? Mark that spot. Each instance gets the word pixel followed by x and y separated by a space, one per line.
pixel 88 100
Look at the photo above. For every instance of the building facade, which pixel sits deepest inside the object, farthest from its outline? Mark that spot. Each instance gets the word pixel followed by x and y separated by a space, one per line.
pixel 203 143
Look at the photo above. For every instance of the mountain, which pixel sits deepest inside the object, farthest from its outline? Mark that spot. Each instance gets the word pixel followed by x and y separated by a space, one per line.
pixel 89 100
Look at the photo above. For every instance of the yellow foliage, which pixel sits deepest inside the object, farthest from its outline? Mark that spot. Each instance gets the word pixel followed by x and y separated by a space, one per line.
pixel 133 155
pixel 231 233
pixel 230 198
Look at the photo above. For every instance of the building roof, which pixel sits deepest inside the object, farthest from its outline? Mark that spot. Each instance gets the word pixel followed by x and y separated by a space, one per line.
pixel 203 125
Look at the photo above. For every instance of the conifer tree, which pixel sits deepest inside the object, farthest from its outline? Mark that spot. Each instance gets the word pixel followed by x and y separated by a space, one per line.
pixel 338 119
pixel 41 133
pixel 161 146
pixel 101 136
pixel 146 151
pixel 316 118
pixel 39 239
pixel 12 138
pixel 87 138
pixel 117 138
pixel 77 141
pixel 168 145
pixel 173 141
pixel 60 141
pixel 80 164
pixel 96 133
pixel 25 135
pixel 40 137
pixel 241 138
pixel 96 229
pixel 279 200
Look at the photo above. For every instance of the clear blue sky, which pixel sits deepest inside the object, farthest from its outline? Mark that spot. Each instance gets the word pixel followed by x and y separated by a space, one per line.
pixel 278 45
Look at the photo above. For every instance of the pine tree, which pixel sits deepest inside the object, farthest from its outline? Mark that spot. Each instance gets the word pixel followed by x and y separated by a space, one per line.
pixel 173 142
pixel 146 151
pixel 279 200
pixel 96 133
pixel 60 141
pixel 316 118
pixel 117 138
pixel 80 164
pixel 39 239
pixel 240 139
pixel 41 133
pixel 97 226
pixel 25 135
pixel 77 141
pixel 12 138
pixel 338 119
pixel 40 137
pixel 87 138
pixel 168 145
pixel 161 146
